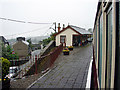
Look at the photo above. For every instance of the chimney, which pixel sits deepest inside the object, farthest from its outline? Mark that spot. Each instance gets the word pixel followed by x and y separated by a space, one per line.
pixel 63 26
pixel 20 38
pixel 59 27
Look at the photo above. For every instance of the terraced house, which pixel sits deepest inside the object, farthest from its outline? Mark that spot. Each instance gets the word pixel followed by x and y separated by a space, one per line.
pixel 21 47
pixel 4 41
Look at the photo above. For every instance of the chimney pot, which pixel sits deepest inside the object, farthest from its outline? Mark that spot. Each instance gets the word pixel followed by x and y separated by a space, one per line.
pixel 59 27
pixel 20 38
pixel 63 26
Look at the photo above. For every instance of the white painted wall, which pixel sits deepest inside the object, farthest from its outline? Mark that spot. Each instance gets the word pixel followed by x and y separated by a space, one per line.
pixel 69 37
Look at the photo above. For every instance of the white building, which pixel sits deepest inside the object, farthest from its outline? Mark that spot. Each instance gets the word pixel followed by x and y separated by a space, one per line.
pixel 71 36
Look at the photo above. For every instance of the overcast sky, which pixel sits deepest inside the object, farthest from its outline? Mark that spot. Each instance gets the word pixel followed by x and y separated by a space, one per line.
pixel 80 13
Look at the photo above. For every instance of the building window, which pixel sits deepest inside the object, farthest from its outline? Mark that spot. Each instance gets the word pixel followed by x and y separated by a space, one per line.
pixel 62 39
pixel 108 47
pixel 100 47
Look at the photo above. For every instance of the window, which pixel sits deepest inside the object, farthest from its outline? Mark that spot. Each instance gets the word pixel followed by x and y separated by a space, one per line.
pixel 119 33
pixel 100 47
pixel 62 39
pixel 117 61
pixel 96 43
pixel 108 47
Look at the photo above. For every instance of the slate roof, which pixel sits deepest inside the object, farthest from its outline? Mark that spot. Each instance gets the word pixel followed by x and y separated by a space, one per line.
pixel 4 40
pixel 76 29
pixel 80 30
pixel 22 42
pixel 25 42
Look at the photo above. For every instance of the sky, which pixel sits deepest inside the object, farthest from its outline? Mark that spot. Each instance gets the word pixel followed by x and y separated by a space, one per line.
pixel 80 13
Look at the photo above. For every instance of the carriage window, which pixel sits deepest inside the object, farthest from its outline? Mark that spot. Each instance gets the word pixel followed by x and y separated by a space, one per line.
pixel 117 82
pixel 96 43
pixel 119 31
pixel 100 47
pixel 108 47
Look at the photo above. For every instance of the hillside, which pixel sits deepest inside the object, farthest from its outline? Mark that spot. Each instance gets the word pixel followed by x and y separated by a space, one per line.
pixel 34 39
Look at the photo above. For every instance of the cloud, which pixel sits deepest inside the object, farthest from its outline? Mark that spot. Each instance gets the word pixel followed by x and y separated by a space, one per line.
pixel 77 12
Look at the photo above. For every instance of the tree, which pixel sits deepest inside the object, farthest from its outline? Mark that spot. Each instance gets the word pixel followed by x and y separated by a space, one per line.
pixel 4 51
pixel 30 43
pixel 46 41
pixel 7 53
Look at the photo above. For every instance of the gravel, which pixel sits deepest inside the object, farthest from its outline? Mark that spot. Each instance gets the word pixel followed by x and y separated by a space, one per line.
pixel 24 82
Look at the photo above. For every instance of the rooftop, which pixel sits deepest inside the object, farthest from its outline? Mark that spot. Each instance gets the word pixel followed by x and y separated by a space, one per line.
pixel 25 42
pixel 76 29
pixel 80 30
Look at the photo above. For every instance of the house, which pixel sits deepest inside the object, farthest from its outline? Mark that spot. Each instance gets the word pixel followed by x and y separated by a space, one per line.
pixel 4 41
pixel 71 36
pixel 21 47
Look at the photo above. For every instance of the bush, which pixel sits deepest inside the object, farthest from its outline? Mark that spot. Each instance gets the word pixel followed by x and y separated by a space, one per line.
pixel 5 67
pixel 65 50
pixel 47 41
pixel 70 46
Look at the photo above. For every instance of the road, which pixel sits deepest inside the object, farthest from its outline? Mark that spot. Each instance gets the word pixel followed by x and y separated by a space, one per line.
pixel 68 71
pixel 36 52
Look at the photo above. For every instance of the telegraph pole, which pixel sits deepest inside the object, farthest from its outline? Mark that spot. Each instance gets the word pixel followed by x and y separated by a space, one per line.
pixel 55 26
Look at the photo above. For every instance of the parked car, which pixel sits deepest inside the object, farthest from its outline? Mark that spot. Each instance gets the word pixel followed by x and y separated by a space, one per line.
pixel 90 39
pixel 13 72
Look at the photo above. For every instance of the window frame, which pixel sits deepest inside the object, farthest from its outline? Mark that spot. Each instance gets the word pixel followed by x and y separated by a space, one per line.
pixel 64 38
pixel 100 30
pixel 108 11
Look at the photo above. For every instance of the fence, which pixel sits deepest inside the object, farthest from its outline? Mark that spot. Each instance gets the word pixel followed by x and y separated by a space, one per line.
pixel 19 61
pixel 44 62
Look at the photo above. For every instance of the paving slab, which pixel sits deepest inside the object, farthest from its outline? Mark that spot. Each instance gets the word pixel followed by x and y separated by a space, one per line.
pixel 68 71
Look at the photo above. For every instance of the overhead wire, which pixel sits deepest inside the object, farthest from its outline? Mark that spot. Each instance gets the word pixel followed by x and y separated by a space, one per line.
pixel 29 31
pixel 47 30
pixel 20 21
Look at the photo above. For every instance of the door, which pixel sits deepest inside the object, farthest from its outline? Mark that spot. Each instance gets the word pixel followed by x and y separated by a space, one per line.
pixel 63 40
pixel 76 40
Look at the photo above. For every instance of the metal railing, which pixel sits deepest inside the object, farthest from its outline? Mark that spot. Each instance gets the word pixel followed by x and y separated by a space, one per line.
pixel 42 63
pixel 37 63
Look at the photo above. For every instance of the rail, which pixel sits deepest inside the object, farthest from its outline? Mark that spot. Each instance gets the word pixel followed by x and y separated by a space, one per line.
pixel 37 63
pixel 42 63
